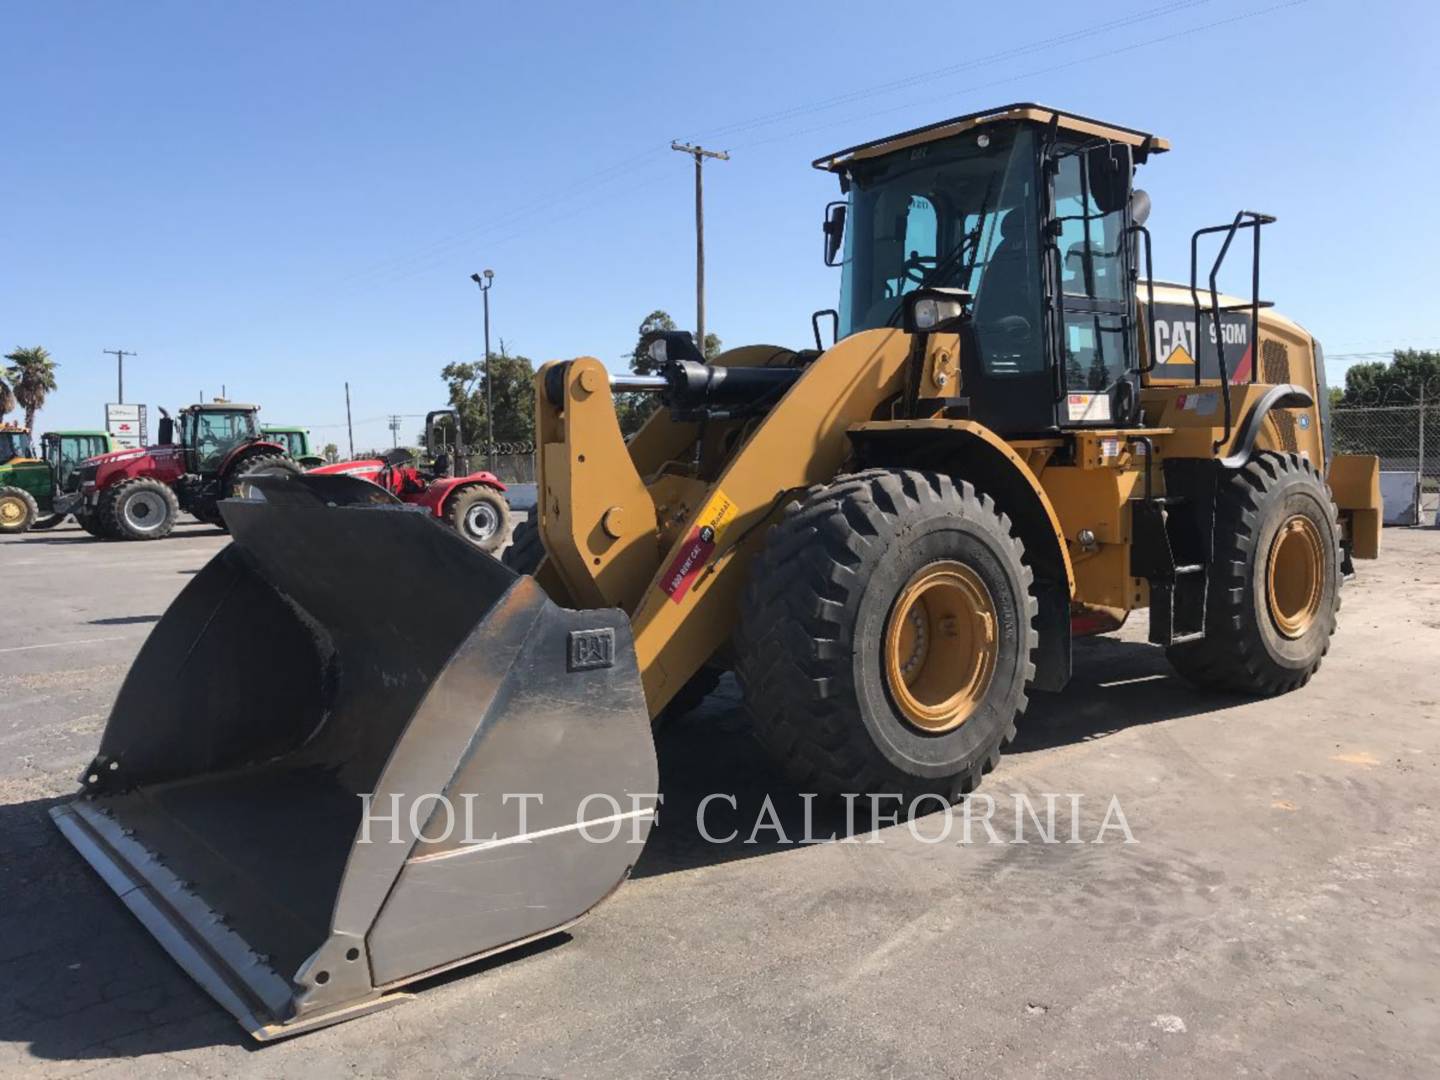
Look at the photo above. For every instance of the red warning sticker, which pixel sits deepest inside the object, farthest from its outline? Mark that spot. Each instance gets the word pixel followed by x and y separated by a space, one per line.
pixel 699 545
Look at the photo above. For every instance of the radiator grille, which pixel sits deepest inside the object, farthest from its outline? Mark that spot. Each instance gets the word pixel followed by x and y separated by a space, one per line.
pixel 1274 362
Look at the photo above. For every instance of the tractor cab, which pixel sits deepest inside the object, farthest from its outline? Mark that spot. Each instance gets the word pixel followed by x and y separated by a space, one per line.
pixel 15 444
pixel 1019 229
pixel 445 445
pixel 209 433
pixel 64 451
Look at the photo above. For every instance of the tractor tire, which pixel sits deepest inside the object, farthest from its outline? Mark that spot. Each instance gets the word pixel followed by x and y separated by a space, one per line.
pixel 18 510
pixel 526 551
pixel 260 464
pixel 140 509
pixel 886 637
pixel 49 521
pixel 92 524
pixel 1274 588
pixel 481 515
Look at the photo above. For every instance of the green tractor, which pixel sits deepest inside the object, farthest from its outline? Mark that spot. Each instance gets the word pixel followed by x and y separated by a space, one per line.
pixel 296 441
pixel 39 492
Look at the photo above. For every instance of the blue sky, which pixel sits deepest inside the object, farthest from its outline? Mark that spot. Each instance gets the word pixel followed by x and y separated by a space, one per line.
pixel 278 197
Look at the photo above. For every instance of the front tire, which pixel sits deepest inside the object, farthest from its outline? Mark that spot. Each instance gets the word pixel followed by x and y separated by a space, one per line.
pixel 18 510
pixel 41 524
pixel 886 636
pixel 1274 588
pixel 481 515
pixel 526 551
pixel 140 509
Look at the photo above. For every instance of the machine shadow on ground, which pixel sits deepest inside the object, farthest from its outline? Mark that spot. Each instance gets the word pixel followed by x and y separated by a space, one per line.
pixel 65 999
pixel 1117 685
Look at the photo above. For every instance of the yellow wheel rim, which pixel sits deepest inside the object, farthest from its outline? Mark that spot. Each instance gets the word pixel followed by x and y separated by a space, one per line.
pixel 1296 578
pixel 12 511
pixel 940 646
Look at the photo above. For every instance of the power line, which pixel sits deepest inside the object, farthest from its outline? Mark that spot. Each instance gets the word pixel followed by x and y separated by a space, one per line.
pixel 400 267
pixel 920 78
pixel 1050 69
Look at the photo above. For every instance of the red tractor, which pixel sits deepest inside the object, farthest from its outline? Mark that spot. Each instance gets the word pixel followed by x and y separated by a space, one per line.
pixel 472 502
pixel 138 494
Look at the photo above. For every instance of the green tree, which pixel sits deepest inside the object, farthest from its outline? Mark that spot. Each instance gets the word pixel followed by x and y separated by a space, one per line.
pixel 633 409
pixel 1397 382
pixel 514 397
pixel 7 397
pixel 331 453
pixel 31 375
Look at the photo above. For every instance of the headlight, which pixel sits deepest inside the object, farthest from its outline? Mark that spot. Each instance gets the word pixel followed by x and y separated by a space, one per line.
pixel 657 352
pixel 935 309
pixel 931 312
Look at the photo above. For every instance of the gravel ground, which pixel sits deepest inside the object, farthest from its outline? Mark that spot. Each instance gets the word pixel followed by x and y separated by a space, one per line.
pixel 1277 915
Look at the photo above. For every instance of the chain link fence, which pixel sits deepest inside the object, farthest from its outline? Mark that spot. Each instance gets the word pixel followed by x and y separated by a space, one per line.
pixel 1406 438
pixel 513 463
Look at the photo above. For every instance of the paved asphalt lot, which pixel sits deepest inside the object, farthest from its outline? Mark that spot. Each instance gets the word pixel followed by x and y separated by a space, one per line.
pixel 1279 914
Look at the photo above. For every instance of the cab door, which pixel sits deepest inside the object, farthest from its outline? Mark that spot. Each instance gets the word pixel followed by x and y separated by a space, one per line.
pixel 1091 281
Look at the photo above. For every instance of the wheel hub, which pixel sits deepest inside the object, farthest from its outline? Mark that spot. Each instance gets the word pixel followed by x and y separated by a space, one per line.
pixel 144 511
pixel 481 521
pixel 12 511
pixel 940 646
pixel 1295 580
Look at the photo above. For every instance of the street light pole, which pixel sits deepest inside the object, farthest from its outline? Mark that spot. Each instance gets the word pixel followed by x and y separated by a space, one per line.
pixel 700 154
pixel 485 281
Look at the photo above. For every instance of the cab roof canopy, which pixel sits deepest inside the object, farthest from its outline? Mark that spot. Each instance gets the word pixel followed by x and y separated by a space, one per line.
pixel 222 406
pixel 1143 142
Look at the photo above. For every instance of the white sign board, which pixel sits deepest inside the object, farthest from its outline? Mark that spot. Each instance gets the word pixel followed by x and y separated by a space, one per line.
pixel 1397 496
pixel 127 425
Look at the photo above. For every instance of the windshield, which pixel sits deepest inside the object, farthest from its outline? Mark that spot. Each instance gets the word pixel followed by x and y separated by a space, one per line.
pixel 213 434
pixel 954 213
pixel 66 452
pixel 290 440
pixel 15 444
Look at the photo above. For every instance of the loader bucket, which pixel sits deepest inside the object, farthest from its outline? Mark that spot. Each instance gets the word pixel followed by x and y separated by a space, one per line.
pixel 345 646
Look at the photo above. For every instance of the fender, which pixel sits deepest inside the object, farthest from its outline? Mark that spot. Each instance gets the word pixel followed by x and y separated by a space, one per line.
pixel 249 449
pixel 439 491
pixel 1280 396
pixel 971 450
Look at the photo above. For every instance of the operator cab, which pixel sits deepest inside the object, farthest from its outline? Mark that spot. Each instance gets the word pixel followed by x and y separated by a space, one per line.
pixel 65 451
pixel 1026 215
pixel 14 444
pixel 209 432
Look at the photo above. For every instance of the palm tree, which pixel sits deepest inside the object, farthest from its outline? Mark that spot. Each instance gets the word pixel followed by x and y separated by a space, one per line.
pixel 32 377
pixel 7 399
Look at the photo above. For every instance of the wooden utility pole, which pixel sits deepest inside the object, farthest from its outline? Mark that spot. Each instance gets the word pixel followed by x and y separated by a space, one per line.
pixel 349 424
pixel 119 355
pixel 699 153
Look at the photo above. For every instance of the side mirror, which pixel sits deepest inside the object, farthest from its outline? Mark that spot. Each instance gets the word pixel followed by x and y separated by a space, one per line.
pixel 1110 167
pixel 167 431
pixel 834 232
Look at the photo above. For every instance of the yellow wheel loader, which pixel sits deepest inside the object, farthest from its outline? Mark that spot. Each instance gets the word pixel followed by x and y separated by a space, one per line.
pixel 356 751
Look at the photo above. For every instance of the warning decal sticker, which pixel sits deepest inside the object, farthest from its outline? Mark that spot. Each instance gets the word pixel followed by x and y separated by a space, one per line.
pixel 710 528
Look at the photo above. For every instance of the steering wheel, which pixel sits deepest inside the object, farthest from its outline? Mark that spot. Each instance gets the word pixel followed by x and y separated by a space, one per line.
pixel 915 267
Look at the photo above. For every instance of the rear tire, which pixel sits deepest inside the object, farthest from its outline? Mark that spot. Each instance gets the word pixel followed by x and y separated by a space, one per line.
pixel 886 636
pixel 141 509
pixel 18 510
pixel 259 465
pixel 526 551
pixel 1274 589
pixel 481 515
